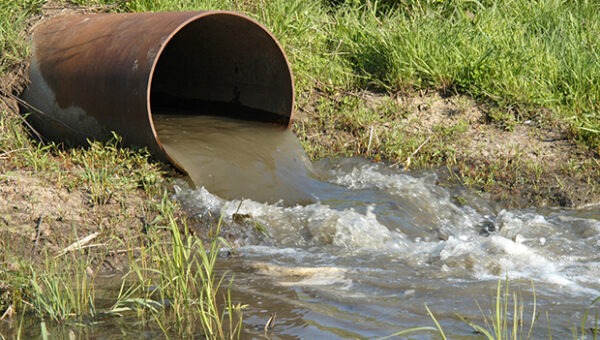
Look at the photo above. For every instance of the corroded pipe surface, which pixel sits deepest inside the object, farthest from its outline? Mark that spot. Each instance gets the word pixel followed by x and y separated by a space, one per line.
pixel 93 74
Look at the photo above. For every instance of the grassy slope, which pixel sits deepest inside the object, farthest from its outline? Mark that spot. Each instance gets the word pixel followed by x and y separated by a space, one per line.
pixel 518 55
pixel 523 57
pixel 54 202
pixel 521 60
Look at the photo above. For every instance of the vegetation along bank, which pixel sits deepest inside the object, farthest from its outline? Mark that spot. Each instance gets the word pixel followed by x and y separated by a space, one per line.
pixel 502 97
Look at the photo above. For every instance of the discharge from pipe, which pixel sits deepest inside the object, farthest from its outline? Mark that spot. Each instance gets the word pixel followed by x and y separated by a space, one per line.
pixel 92 74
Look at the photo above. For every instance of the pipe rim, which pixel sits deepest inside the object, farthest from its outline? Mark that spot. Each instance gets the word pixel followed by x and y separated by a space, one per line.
pixel 199 16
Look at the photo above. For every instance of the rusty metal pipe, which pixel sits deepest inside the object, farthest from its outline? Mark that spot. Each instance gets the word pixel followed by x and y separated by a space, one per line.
pixel 97 73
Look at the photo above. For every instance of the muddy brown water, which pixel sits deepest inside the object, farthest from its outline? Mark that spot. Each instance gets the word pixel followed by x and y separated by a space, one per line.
pixel 239 159
pixel 356 250
pixel 349 249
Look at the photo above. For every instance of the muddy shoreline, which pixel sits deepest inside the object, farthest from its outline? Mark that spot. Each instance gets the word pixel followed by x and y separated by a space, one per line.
pixel 531 163
pixel 515 162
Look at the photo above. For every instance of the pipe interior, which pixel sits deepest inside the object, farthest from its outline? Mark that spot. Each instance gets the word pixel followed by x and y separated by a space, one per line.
pixel 223 64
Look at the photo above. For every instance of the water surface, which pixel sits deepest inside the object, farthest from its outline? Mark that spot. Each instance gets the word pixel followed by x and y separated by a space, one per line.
pixel 235 158
pixel 351 249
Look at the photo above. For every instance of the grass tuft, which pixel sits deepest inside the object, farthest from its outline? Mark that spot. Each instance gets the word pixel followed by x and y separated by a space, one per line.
pixel 63 291
pixel 182 274
pixel 107 169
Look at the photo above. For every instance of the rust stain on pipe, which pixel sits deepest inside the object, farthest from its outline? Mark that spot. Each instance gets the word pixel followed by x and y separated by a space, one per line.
pixel 93 74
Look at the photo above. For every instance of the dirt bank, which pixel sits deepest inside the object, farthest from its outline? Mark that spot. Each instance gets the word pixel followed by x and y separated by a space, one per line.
pixel 517 162
pixel 520 163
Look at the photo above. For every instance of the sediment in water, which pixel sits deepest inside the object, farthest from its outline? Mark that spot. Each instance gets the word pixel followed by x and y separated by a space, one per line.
pixel 239 159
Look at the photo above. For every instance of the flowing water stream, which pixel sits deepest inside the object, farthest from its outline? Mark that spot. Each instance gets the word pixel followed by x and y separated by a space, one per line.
pixel 349 249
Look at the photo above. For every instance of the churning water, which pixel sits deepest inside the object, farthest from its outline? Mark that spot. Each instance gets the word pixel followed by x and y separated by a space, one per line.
pixel 349 249
pixel 235 158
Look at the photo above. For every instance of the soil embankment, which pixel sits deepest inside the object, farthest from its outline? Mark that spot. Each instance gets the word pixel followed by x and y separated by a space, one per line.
pixel 516 162
pixel 519 163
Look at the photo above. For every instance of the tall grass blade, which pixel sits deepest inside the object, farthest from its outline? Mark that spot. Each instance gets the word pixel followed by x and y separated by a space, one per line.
pixel 476 327
pixel 44 331
pixel 534 314
pixel 437 324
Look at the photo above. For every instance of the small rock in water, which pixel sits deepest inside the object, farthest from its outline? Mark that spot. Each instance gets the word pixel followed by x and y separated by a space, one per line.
pixel 487 227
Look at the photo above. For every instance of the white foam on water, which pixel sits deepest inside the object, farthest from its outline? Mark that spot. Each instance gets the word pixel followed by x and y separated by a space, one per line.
pixel 318 224
pixel 521 261
pixel 428 205
pixel 558 251
pixel 274 251
pixel 202 201
pixel 368 176
pixel 497 257
pixel 313 224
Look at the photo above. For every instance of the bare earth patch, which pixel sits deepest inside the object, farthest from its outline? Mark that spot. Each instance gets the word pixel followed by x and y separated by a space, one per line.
pixel 39 219
pixel 518 163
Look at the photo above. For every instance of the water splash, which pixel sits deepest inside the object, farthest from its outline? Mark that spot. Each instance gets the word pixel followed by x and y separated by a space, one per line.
pixel 367 238
pixel 236 159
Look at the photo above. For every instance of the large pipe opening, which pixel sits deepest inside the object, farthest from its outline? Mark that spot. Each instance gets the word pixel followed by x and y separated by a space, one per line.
pixel 222 64
pixel 96 73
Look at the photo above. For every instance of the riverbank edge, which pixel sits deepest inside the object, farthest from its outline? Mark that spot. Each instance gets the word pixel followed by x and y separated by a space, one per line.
pixel 517 163
pixel 469 143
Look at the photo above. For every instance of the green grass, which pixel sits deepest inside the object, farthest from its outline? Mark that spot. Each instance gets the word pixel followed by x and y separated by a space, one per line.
pixel 374 128
pixel 104 170
pixel 13 42
pixel 182 272
pixel 524 60
pixel 508 319
pixel 521 56
pixel 63 290
pixel 55 288
pixel 107 169
pixel 171 284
